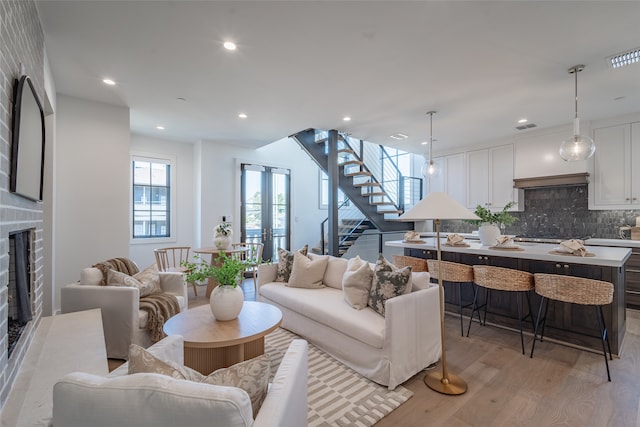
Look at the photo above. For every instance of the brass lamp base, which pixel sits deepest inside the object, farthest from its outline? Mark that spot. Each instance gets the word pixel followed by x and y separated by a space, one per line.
pixel 454 386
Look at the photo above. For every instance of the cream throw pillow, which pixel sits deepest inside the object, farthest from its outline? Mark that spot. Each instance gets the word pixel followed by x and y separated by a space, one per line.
pixel 388 281
pixel 356 283
pixel 251 375
pixel 147 281
pixel 307 273
pixel 285 263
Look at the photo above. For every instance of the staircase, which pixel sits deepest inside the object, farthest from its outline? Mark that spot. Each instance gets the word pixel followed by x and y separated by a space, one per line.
pixel 370 180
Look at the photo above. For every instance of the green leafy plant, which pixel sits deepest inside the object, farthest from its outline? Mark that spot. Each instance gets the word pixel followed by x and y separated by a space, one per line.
pixel 223 229
pixel 502 217
pixel 225 270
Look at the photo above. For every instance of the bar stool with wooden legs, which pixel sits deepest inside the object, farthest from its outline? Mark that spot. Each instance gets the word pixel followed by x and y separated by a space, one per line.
pixel 502 279
pixel 574 290
pixel 417 264
pixel 453 272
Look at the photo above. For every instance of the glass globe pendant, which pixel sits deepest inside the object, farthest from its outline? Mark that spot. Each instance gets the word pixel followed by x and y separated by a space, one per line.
pixel 428 168
pixel 578 147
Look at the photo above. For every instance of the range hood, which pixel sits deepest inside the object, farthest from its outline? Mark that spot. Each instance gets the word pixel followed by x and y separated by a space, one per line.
pixel 552 181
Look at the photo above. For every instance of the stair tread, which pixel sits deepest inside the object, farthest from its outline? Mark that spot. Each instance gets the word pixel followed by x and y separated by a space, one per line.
pixel 351 162
pixel 390 212
pixel 368 184
pixel 358 173
pixel 346 150
pixel 381 203
pixel 381 193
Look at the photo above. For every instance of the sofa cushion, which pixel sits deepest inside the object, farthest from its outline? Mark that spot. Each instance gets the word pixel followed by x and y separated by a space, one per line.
pixel 335 270
pixel 251 375
pixel 91 276
pixel 147 281
pixel 307 273
pixel 388 282
pixel 327 306
pixel 420 280
pixel 356 283
pixel 285 263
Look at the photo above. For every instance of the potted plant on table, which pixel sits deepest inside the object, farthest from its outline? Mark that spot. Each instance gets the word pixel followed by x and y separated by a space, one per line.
pixel 222 236
pixel 490 222
pixel 227 298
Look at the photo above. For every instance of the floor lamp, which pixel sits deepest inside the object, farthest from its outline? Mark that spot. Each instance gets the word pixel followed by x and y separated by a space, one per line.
pixel 438 206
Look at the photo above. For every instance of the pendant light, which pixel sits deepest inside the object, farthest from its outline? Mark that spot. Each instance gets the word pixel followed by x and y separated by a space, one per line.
pixel 429 169
pixel 578 147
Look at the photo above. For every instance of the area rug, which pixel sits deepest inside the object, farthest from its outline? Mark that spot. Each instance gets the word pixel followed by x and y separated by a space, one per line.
pixel 338 396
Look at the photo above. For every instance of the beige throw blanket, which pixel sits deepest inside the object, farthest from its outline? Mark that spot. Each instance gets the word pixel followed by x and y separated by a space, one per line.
pixel 160 307
pixel 123 265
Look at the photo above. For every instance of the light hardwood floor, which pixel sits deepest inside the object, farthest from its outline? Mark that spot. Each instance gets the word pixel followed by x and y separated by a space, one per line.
pixel 560 386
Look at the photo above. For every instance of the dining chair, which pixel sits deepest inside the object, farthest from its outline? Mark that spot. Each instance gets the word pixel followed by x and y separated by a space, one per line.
pixel 170 260
pixel 253 258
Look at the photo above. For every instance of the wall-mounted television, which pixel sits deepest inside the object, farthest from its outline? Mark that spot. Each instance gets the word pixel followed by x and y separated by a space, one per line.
pixel 27 144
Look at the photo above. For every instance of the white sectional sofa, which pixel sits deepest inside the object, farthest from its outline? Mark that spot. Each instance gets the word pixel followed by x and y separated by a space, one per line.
pixel 82 399
pixel 388 350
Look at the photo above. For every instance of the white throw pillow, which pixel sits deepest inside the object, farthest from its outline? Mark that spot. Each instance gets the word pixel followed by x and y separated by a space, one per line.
pixel 147 283
pixel 420 280
pixel 356 283
pixel 307 273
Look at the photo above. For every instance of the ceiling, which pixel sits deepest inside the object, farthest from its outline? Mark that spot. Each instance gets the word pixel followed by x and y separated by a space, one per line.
pixel 481 65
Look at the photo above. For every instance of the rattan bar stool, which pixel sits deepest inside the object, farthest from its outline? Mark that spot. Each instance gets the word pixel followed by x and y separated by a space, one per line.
pixel 417 264
pixel 574 290
pixel 502 279
pixel 453 272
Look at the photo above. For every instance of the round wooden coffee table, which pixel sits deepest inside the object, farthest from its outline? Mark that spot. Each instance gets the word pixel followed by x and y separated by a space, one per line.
pixel 210 344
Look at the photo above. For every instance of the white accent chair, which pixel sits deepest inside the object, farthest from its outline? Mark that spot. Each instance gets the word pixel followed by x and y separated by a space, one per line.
pixel 123 321
pixel 81 399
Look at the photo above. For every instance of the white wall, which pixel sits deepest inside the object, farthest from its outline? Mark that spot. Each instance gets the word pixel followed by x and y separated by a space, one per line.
pixel 183 195
pixel 91 218
pixel 220 187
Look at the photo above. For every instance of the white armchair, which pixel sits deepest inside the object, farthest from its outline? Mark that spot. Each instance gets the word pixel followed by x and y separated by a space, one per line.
pixel 123 321
pixel 82 399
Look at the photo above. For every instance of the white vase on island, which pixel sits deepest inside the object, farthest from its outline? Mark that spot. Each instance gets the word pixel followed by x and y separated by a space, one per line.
pixel 488 233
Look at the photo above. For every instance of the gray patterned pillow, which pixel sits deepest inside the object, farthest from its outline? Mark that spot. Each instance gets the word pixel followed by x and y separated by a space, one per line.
pixel 251 375
pixel 388 282
pixel 285 263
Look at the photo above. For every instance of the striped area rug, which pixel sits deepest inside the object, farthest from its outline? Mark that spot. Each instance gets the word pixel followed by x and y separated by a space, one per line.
pixel 338 396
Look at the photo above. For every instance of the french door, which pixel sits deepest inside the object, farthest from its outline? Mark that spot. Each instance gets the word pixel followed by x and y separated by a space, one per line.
pixel 265 211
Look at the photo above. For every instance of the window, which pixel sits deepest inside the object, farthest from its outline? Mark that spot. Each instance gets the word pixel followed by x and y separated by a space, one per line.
pixel 151 202
pixel 324 192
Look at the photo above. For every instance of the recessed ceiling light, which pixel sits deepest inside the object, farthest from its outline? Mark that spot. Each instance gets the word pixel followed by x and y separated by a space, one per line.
pixel 522 121
pixel 242 115
pixel 424 143
pixel 346 119
pixel 399 136
pixel 108 82
pixel 624 58
pixel 229 45
pixel 160 127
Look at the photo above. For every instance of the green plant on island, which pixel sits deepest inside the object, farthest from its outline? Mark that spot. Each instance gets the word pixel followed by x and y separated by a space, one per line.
pixel 499 218
pixel 225 270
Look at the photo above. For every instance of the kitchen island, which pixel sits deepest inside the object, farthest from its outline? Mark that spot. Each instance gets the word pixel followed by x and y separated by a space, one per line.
pixel 569 323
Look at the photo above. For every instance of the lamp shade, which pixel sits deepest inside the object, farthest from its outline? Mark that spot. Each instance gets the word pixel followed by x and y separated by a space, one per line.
pixel 438 205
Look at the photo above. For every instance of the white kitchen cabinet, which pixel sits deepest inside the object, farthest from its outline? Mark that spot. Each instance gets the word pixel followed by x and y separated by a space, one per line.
pixel 450 177
pixel 615 183
pixel 490 178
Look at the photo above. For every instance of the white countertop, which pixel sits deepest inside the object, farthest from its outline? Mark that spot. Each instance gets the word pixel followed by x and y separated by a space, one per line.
pixel 621 243
pixel 606 256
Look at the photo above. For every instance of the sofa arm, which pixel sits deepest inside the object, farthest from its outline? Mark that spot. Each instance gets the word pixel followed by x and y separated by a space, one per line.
pixel 174 283
pixel 267 273
pixel 119 306
pixel 286 402
pixel 412 332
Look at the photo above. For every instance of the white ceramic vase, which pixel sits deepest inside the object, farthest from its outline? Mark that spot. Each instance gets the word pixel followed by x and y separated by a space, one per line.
pixel 488 234
pixel 222 242
pixel 226 302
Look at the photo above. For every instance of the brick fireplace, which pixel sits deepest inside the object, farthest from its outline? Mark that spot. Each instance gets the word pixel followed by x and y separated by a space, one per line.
pixel 22 45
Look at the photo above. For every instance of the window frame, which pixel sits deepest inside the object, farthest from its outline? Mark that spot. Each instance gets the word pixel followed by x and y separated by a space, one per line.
pixel 160 159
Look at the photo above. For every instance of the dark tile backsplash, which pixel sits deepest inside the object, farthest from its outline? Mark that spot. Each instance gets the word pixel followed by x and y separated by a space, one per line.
pixel 560 212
